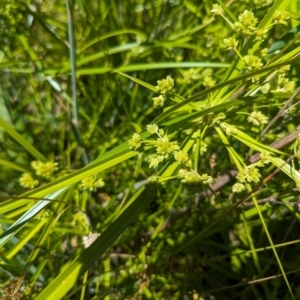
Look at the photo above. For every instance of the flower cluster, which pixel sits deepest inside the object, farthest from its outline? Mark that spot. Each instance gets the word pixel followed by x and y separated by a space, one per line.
pixel 257 118
pixel 181 156
pixel 159 101
pixel 261 34
pixel 229 129
pixel 230 43
pixel 91 183
pixel 208 82
pixel 166 149
pixel 284 84
pixel 203 147
pixel 163 145
pixel 152 128
pixel 192 177
pixel 283 69
pixel 28 181
pixel 280 84
pixel 217 10
pixel 44 169
pixel 135 142
pixel 263 52
pixel 193 181
pixel 250 173
pixel 152 180
pixel 41 169
pixel 252 62
pixel 163 86
pixel 281 17
pixel 264 159
pixel 246 24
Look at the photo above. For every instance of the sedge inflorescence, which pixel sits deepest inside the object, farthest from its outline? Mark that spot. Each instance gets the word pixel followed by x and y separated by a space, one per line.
pixel 91 183
pixel 44 172
pixel 40 169
pixel 163 87
pixel 166 149
pixel 247 26
pixel 250 173
pixel 246 29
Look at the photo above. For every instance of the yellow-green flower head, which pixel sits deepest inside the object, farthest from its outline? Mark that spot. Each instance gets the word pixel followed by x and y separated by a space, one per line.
pixel 246 24
pixel 161 132
pixel 182 173
pixel 203 147
pixel 192 177
pixel 154 161
pixel 229 129
pixel 158 101
pixel 165 85
pixel 253 62
pixel 247 19
pixel 281 17
pixel 91 183
pixel 283 69
pixel 189 164
pixel 181 156
pixel 230 43
pixel 28 181
pixel 44 169
pixel 152 179
pixel 261 34
pixel 257 118
pixel 238 187
pixel 208 82
pixel 285 85
pixel 265 158
pixel 99 183
pixel 217 119
pixel 164 146
pixel 253 174
pixel 161 158
pixel 206 179
pixel 135 142
pixel 265 89
pixel 152 128
pixel 264 52
pixel 217 9
pixel 249 174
